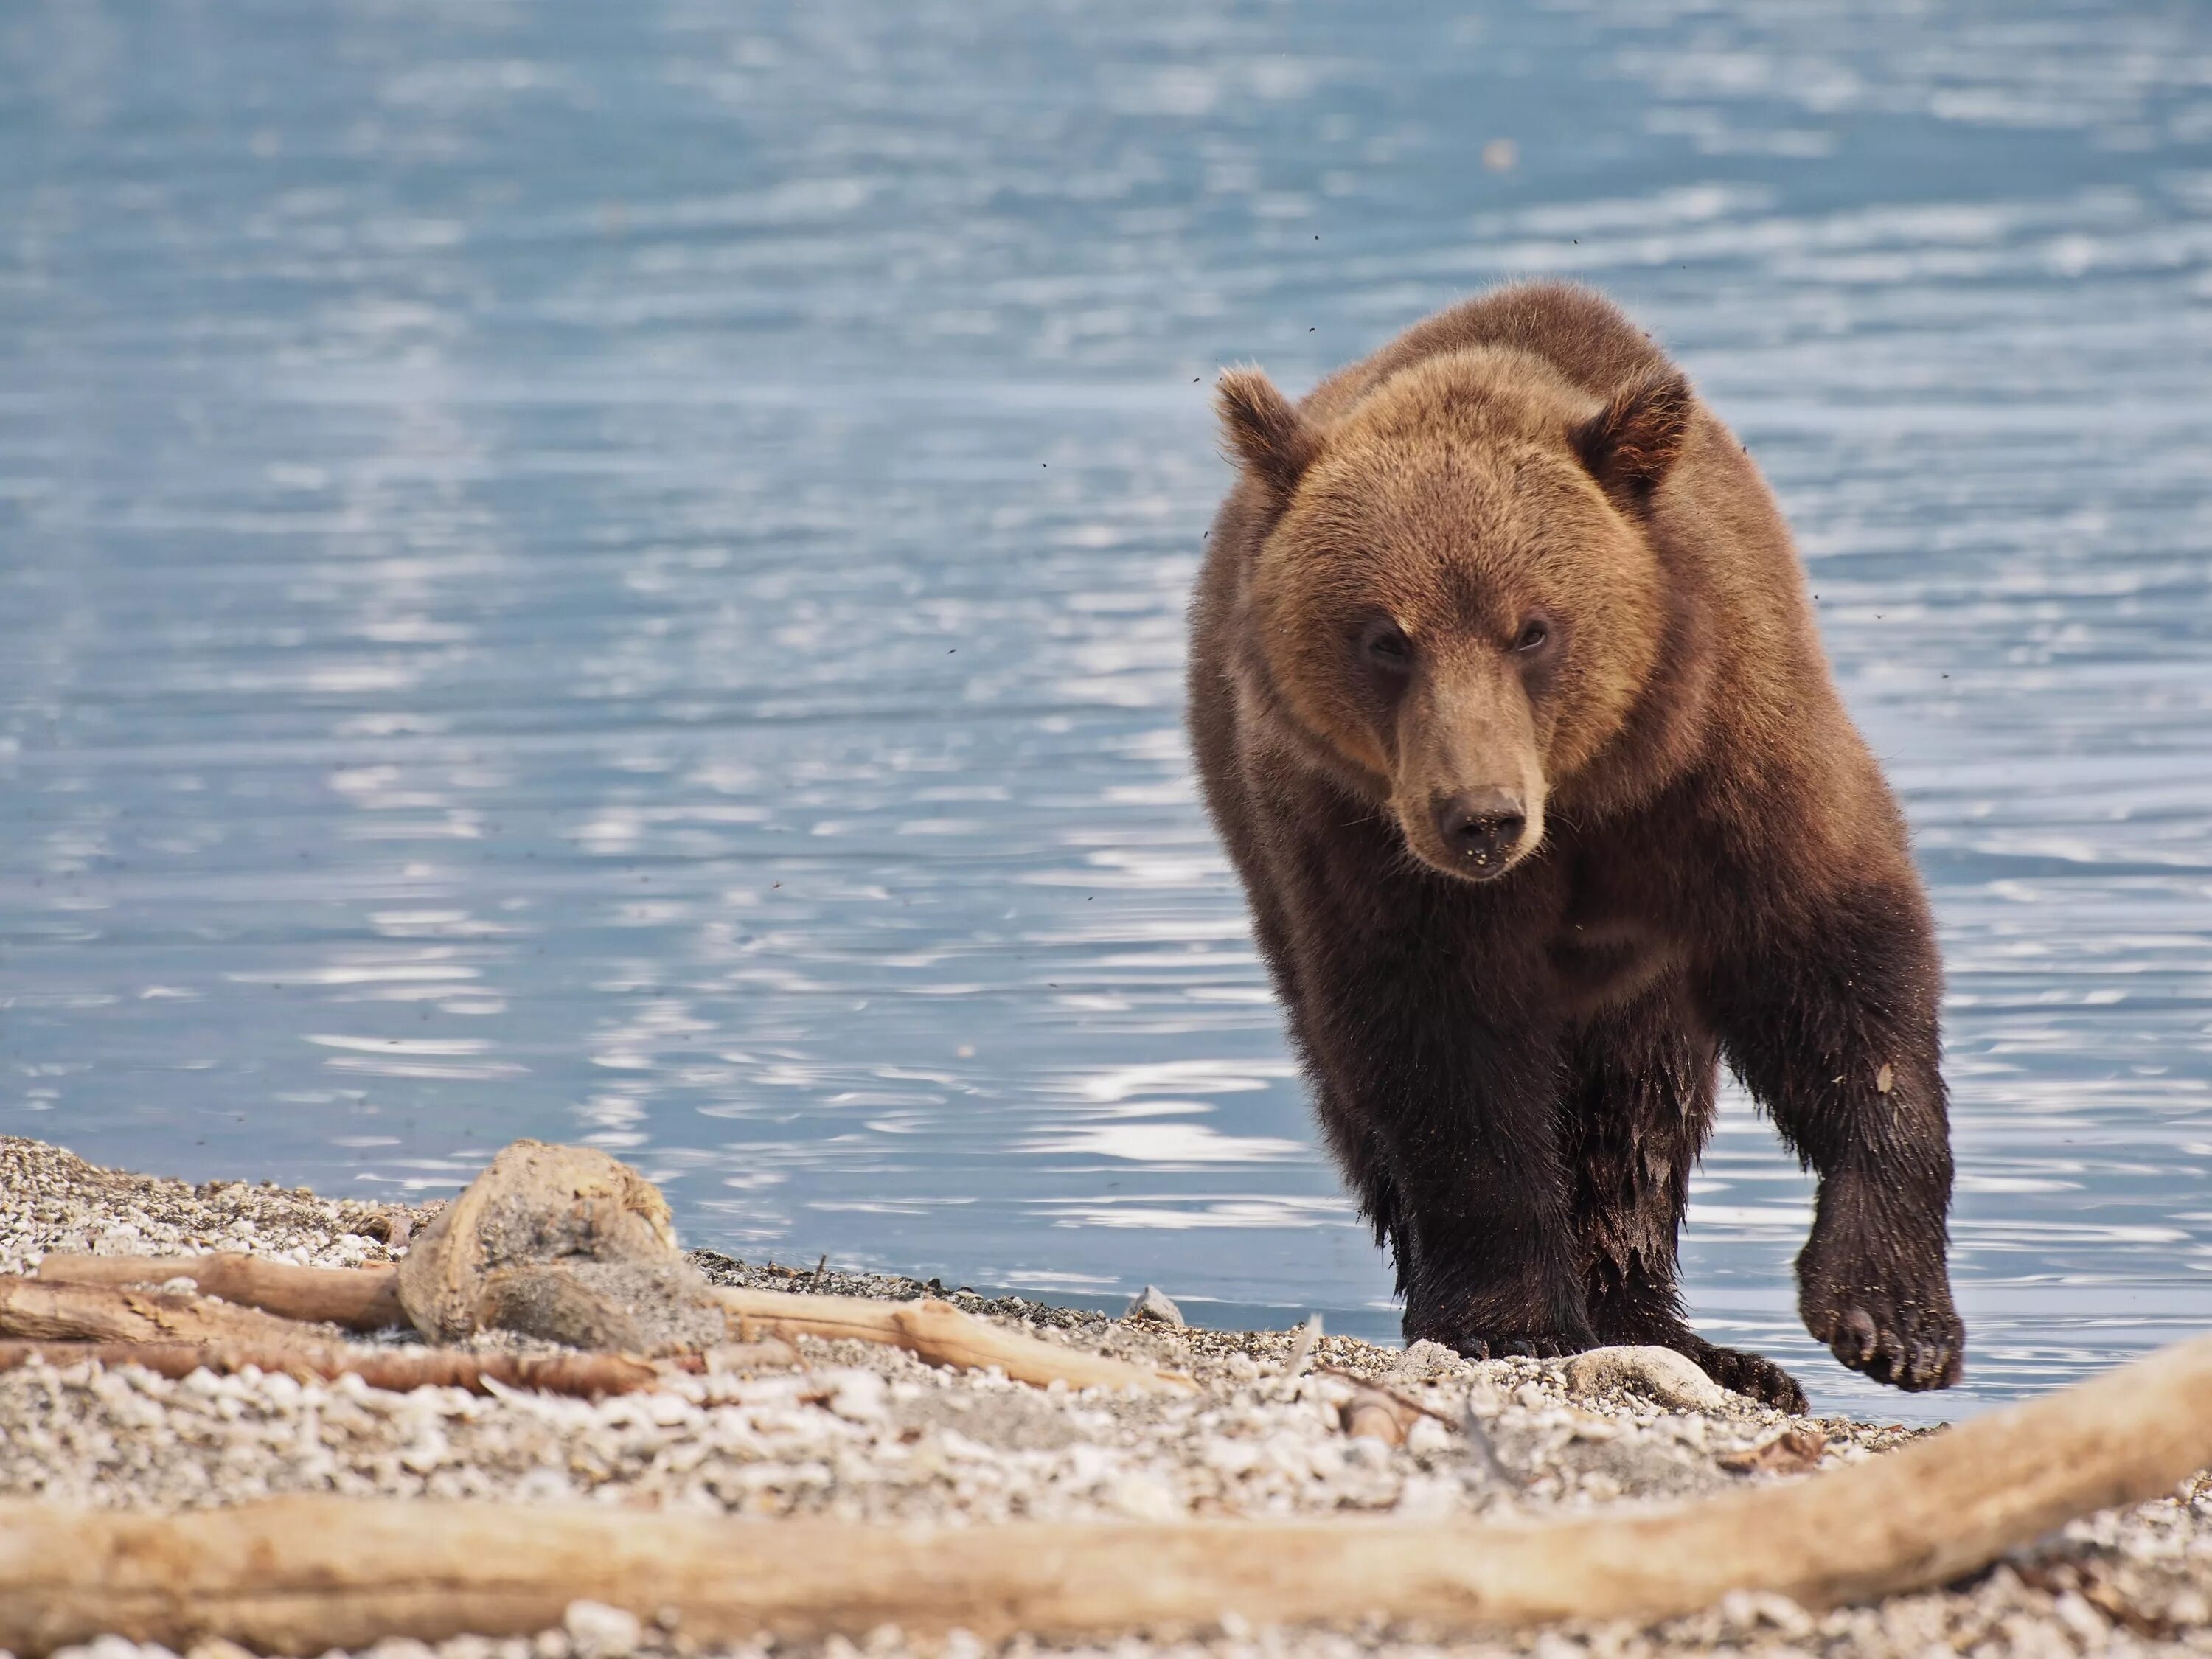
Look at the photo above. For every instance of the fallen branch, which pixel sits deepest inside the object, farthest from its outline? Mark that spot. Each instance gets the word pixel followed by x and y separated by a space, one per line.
pixel 359 1298
pixel 83 1297
pixel 302 1575
pixel 588 1375
pixel 44 1311
pixel 942 1334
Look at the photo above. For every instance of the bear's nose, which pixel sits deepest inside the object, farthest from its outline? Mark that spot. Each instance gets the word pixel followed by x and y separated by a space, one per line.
pixel 1481 826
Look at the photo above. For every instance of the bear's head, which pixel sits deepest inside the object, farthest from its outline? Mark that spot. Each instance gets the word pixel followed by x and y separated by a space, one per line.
pixel 1457 604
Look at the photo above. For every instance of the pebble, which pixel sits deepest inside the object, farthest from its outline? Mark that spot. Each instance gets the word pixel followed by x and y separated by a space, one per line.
pixel 597 1631
pixel 1152 1302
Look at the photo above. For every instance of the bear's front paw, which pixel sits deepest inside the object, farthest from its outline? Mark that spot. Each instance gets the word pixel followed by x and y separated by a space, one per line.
pixel 1885 1312
pixel 1487 1334
pixel 1754 1376
pixel 1483 1318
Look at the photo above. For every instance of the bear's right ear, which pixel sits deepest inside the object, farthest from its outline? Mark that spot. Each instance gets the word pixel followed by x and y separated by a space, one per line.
pixel 1270 437
pixel 1631 444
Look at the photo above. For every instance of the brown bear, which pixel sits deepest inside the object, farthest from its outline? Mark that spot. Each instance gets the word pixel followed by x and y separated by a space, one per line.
pixel 1509 702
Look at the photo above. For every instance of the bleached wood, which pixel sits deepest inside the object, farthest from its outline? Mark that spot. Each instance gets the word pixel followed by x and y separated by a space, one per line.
pixel 359 1298
pixel 588 1375
pixel 96 1299
pixel 942 1334
pixel 43 1310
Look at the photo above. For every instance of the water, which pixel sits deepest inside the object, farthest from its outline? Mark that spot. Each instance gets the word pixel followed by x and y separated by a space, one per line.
pixel 616 572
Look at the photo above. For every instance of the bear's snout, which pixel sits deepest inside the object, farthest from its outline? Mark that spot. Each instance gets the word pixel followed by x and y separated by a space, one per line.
pixel 1481 828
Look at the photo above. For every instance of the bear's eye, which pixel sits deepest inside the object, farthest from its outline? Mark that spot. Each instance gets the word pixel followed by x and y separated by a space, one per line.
pixel 1533 633
pixel 1387 647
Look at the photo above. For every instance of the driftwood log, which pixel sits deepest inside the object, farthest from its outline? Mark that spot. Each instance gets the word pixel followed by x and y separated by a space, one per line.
pixel 301 1574
pixel 588 1375
pixel 942 1334
pixel 92 1298
pixel 359 1298
pixel 42 1311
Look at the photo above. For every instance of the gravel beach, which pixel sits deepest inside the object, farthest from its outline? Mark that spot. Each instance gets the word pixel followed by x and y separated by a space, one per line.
pixel 868 1433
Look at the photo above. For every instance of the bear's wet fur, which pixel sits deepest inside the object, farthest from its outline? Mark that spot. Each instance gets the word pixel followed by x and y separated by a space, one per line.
pixel 1507 701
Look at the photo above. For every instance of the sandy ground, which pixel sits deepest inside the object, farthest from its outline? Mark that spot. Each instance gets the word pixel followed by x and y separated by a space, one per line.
pixel 870 1434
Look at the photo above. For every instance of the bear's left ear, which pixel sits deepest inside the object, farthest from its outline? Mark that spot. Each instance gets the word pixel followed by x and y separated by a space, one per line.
pixel 1269 436
pixel 1630 444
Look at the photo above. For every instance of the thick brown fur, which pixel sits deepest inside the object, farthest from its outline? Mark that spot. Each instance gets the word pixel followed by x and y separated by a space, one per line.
pixel 1509 705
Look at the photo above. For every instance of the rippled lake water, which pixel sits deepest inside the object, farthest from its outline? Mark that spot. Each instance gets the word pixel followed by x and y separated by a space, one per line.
pixel 616 572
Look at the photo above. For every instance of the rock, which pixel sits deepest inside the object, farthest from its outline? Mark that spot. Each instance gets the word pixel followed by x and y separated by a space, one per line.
pixel 1152 1302
pixel 1424 1360
pixel 1428 1435
pixel 597 1631
pixel 1659 1374
pixel 860 1397
pixel 632 1307
pixel 1146 1497
pixel 563 1242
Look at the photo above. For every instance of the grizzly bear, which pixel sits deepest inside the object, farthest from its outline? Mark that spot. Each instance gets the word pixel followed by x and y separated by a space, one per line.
pixel 1507 701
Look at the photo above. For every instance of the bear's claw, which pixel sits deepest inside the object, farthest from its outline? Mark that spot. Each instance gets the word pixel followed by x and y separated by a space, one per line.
pixel 1542 1345
pixel 1907 1347
pixel 1754 1376
pixel 1874 1291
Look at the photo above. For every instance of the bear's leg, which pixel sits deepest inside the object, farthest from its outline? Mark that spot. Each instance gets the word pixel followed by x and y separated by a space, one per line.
pixel 1640 1112
pixel 1421 1009
pixel 1467 1161
pixel 1832 1021
pixel 1448 1129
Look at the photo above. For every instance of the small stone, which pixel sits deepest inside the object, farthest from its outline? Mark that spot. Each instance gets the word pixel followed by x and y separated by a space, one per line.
pixel 1143 1497
pixel 1428 1436
pixel 1660 1374
pixel 1424 1359
pixel 859 1397
pixel 1152 1302
pixel 600 1631
pixel 2073 1610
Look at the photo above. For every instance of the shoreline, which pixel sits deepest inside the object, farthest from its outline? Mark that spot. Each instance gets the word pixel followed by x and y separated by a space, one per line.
pixel 868 1433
